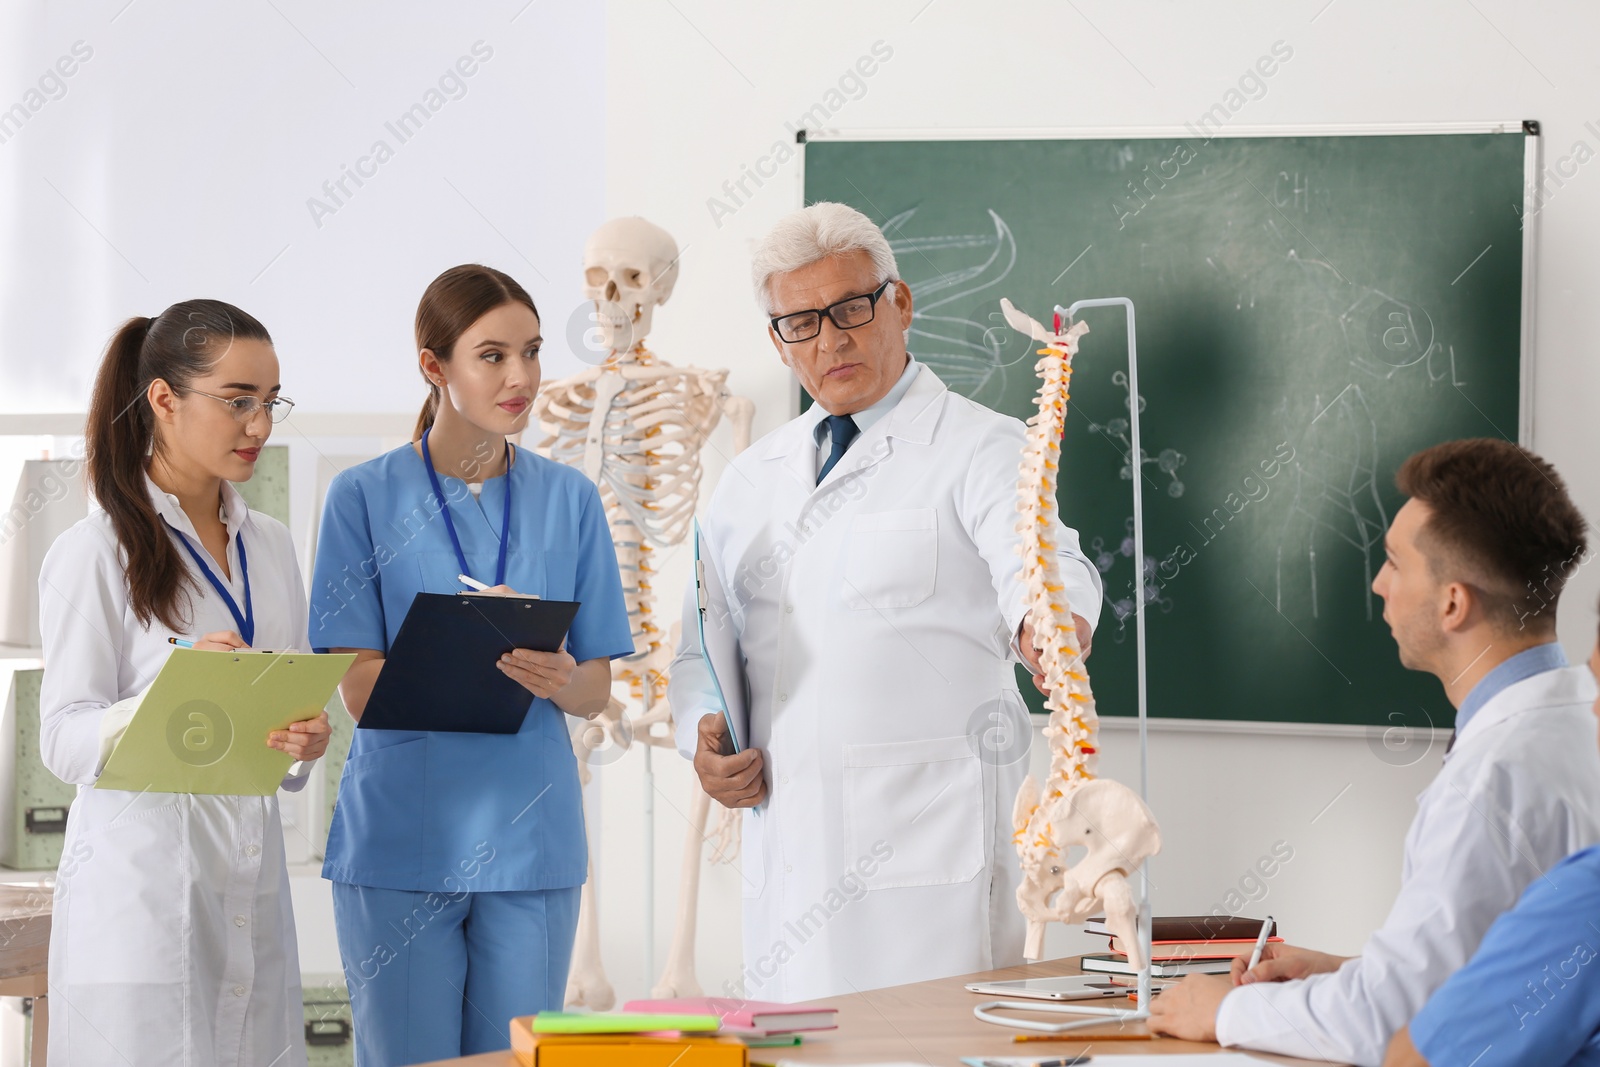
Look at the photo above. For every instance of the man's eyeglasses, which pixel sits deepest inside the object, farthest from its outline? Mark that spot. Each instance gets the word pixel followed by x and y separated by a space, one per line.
pixel 244 408
pixel 846 314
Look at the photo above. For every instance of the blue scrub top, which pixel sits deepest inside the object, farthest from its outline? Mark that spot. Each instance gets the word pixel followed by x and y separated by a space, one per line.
pixel 1530 997
pixel 458 812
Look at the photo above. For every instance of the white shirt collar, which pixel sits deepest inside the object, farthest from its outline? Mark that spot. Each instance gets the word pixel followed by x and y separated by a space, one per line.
pixel 233 510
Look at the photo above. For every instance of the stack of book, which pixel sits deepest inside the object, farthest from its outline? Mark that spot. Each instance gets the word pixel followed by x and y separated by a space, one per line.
pixel 557 1039
pixel 1182 944
pixel 756 1022
pixel 693 1032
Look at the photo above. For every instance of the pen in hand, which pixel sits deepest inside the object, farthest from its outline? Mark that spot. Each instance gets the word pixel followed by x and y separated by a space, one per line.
pixel 182 643
pixel 1261 943
pixel 494 590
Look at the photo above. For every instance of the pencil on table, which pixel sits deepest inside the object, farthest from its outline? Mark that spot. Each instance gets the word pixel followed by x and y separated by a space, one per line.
pixel 1084 1039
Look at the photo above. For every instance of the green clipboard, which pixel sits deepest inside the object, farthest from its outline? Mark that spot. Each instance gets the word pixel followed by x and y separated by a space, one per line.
pixel 203 725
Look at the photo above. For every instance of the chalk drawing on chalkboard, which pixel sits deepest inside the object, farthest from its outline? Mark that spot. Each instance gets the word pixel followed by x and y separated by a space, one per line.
pixel 1104 558
pixel 964 349
pixel 1335 496
pixel 1167 461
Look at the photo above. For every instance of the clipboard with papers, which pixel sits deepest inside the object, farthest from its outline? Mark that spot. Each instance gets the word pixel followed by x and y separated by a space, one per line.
pixel 719 643
pixel 442 673
pixel 202 725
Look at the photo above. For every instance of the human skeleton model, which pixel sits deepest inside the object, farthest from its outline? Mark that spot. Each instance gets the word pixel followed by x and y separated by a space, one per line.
pixel 635 425
pixel 1107 818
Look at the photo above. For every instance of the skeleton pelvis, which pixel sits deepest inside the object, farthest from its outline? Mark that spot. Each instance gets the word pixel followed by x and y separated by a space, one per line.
pixel 1109 821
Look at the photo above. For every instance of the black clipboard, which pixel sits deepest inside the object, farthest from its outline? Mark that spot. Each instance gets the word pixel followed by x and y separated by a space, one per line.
pixel 441 674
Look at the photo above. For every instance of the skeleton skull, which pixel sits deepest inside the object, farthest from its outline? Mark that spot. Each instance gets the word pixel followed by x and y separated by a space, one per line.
pixel 629 266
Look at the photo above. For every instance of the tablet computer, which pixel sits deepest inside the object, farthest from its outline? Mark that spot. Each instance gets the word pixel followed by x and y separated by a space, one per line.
pixel 1062 987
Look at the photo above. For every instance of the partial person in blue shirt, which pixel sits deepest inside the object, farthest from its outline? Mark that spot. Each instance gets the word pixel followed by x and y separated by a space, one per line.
pixel 456 858
pixel 1530 996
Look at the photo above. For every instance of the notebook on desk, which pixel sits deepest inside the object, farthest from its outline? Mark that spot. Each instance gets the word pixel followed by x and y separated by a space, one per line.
pixel 1115 964
pixel 737 1015
pixel 1182 1059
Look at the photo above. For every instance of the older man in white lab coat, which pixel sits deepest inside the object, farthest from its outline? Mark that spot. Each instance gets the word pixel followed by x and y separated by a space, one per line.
pixel 868 551
pixel 1476 562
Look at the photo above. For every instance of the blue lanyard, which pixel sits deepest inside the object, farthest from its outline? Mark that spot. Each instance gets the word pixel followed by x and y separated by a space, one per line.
pixel 450 526
pixel 246 621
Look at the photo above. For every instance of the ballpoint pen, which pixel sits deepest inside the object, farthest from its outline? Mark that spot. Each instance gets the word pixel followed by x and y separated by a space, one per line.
pixel 1261 943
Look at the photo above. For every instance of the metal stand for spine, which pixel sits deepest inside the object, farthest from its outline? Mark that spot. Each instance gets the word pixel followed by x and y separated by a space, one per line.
pixel 1103 1015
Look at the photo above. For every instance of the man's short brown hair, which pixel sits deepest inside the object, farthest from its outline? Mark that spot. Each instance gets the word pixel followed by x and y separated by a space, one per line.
pixel 1501 521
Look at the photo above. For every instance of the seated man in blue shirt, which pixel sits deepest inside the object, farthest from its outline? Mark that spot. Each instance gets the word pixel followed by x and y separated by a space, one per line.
pixel 1530 997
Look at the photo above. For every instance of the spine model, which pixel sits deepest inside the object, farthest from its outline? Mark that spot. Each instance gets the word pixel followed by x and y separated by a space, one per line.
pixel 1074 727
pixel 1075 808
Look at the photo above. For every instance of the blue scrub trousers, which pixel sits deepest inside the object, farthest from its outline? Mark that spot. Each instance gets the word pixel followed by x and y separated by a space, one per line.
pixel 435 975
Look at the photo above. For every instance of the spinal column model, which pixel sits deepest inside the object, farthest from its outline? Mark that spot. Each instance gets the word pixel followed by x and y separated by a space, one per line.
pixel 1107 818
pixel 635 425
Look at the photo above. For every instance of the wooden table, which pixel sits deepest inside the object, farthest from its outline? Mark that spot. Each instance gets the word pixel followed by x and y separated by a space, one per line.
pixel 932 1022
pixel 24 950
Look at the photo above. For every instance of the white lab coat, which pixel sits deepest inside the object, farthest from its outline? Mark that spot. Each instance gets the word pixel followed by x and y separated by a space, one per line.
pixel 1518 793
pixel 875 613
pixel 172 939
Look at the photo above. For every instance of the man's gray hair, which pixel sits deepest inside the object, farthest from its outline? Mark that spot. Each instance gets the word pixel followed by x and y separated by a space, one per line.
pixel 817 232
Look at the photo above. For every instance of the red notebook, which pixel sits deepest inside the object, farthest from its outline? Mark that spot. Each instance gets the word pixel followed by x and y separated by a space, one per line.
pixel 746 1014
pixel 1222 948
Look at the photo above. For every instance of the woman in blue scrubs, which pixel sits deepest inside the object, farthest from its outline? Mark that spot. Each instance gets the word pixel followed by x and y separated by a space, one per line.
pixel 456 859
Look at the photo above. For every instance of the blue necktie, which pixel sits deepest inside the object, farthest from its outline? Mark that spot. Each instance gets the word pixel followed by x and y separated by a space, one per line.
pixel 843 430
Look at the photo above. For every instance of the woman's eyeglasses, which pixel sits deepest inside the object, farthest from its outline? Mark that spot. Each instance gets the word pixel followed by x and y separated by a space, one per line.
pixel 244 408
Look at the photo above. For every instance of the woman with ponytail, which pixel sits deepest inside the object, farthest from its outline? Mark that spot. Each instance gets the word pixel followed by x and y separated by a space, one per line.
pixel 172 939
pixel 456 858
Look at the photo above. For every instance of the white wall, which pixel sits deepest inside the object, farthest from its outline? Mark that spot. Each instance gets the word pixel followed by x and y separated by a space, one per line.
pixel 700 90
pixel 183 157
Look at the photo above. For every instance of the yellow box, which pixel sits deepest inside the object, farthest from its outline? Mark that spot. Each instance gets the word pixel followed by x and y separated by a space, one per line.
pixel 622 1050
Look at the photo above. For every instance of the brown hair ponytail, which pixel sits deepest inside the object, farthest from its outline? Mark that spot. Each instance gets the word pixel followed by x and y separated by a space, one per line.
pixel 450 305
pixel 177 346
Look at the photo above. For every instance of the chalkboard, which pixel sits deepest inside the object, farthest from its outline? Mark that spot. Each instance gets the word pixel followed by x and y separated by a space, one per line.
pixel 1310 311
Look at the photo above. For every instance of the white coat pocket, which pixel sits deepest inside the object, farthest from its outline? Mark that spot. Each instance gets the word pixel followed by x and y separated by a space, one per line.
pixel 134 852
pixel 892 559
pixel 922 803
